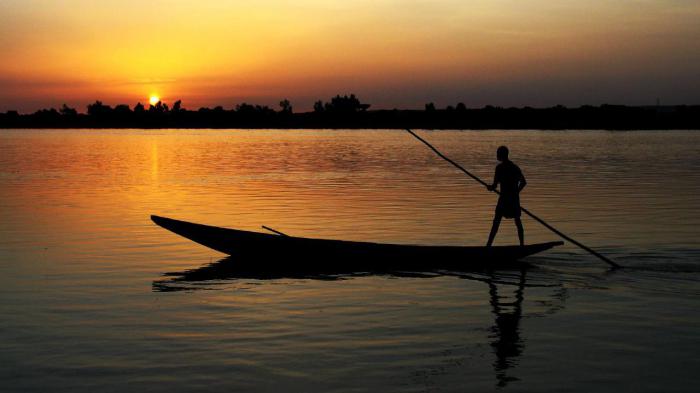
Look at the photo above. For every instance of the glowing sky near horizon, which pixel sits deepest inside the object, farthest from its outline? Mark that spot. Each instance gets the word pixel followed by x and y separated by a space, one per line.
pixel 392 53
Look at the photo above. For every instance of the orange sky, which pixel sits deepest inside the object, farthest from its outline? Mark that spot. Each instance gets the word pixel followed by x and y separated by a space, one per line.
pixel 400 53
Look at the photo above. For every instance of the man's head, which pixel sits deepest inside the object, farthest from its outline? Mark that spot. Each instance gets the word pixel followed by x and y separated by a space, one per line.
pixel 502 153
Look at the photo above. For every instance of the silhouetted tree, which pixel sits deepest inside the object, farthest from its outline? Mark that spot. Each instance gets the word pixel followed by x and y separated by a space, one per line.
pixel 286 106
pixel 248 109
pixel 122 111
pixel 139 108
pixel 159 107
pixel 318 106
pixel 245 109
pixel 47 113
pixel 67 111
pixel 461 107
pixel 430 107
pixel 345 104
pixel 177 106
pixel 98 109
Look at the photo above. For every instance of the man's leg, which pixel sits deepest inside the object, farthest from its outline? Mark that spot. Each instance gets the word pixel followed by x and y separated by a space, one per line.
pixel 521 232
pixel 494 229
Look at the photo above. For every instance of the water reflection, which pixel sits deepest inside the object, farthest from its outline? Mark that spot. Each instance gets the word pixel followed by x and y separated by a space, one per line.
pixel 226 269
pixel 507 343
pixel 506 291
pixel 235 268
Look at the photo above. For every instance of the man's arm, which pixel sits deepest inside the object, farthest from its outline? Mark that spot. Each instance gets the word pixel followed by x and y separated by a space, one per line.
pixel 522 183
pixel 492 187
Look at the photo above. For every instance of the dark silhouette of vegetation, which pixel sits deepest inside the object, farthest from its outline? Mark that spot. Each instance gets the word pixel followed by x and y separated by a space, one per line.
pixel 345 104
pixel 349 112
pixel 286 106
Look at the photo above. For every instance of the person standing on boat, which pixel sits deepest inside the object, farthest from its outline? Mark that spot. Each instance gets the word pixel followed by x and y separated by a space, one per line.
pixel 511 181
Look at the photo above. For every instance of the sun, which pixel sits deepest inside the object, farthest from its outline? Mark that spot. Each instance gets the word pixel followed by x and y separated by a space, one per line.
pixel 154 99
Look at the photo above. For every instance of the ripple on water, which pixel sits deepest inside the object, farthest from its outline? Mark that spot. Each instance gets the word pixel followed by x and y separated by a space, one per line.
pixel 87 305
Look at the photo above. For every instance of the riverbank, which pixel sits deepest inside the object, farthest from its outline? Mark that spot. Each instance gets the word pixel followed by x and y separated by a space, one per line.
pixel 606 117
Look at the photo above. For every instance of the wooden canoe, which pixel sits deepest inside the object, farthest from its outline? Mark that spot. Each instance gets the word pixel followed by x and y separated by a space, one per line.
pixel 287 253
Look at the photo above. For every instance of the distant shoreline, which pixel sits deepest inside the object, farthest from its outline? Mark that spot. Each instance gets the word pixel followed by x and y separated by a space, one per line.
pixel 604 117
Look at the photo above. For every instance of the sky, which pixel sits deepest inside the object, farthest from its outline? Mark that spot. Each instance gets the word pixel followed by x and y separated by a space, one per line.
pixel 391 53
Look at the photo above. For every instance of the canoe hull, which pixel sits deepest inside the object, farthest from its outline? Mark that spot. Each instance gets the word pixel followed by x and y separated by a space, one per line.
pixel 296 253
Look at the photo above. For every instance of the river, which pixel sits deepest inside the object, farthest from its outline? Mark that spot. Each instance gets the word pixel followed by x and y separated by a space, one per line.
pixel 92 296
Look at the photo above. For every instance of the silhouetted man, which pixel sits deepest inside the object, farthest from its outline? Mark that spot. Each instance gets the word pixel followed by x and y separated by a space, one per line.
pixel 512 181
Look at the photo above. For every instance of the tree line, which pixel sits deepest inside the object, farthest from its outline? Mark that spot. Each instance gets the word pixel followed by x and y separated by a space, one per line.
pixel 348 111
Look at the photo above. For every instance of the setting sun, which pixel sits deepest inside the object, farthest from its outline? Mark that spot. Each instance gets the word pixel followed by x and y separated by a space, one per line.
pixel 154 99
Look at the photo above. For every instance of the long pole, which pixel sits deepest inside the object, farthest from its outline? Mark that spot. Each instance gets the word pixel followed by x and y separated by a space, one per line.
pixel 534 217
pixel 274 231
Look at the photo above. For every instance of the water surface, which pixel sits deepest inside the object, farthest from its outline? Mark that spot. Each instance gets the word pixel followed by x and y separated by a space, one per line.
pixel 88 305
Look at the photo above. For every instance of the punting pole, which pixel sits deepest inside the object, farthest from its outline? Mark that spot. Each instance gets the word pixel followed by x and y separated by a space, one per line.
pixel 274 231
pixel 534 217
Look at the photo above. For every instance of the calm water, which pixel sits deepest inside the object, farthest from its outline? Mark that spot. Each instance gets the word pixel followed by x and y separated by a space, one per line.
pixel 87 304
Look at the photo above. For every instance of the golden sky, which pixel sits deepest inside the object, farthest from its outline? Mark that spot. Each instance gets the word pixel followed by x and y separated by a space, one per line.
pixel 392 53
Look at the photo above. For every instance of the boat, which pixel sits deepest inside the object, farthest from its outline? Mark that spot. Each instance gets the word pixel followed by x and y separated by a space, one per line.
pixel 288 253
